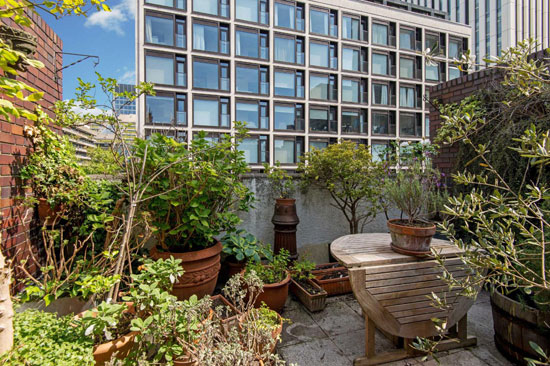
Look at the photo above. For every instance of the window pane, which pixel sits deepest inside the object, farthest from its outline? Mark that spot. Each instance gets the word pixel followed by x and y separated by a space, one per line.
pixel 284 84
pixel 350 28
pixel 350 91
pixel 284 151
pixel 318 87
pixel 454 49
pixel 250 148
pixel 159 109
pixel 379 64
pixel 378 152
pixel 285 117
pixel 206 6
pixel 318 120
pixel 248 112
pixel 454 73
pixel 380 34
pixel 159 70
pixel 406 39
pixel 427 126
pixel 159 30
pixel 432 72
pixel 247 44
pixel 380 94
pixel 406 123
pixel 247 10
pixel 284 50
pixel 318 21
pixel 318 54
pixel 205 112
pixel 350 59
pixel 205 37
pixel 406 97
pixel 351 122
pixel 319 145
pixel 247 79
pixel 381 124
pixel 205 75
pixel 406 68
pixel 432 42
pixel 284 15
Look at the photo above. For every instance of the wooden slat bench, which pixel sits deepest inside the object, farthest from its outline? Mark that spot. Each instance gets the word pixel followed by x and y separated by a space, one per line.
pixel 393 290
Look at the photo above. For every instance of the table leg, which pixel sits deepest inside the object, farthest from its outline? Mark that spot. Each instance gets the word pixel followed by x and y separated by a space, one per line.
pixel 369 336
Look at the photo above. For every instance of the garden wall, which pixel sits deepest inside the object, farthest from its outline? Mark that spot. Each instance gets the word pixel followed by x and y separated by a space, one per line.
pixel 13 146
pixel 320 223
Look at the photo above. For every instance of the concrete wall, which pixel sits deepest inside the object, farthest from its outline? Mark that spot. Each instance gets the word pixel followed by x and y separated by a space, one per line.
pixel 320 223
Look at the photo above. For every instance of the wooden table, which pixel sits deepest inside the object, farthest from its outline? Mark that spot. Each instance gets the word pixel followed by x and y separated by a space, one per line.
pixel 393 290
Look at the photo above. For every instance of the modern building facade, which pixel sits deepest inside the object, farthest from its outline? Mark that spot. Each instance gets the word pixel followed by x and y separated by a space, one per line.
pixel 123 105
pixel 82 138
pixel 302 74
pixel 501 24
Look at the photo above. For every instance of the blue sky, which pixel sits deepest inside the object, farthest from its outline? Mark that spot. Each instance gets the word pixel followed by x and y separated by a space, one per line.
pixel 109 35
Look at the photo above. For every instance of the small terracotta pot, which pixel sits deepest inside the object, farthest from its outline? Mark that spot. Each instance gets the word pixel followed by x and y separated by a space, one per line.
pixel 201 267
pixel 409 240
pixel 274 295
pixel 185 362
pixel 235 268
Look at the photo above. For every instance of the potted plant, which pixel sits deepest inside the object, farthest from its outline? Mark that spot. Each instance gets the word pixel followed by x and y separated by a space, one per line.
pixel 241 247
pixel 301 285
pixel 194 198
pixel 285 217
pixel 333 278
pixel 276 280
pixel 412 190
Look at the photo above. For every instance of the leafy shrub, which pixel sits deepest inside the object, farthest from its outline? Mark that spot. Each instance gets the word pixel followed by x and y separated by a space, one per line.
pixel 302 269
pixel 273 272
pixel 281 182
pixel 243 247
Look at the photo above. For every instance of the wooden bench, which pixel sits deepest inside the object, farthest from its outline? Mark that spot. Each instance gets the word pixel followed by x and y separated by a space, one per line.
pixel 393 291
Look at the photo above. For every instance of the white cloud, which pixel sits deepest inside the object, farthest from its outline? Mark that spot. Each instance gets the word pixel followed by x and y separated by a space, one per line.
pixel 80 110
pixel 129 77
pixel 111 20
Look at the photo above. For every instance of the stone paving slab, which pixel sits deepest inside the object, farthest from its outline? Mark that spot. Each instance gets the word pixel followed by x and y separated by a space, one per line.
pixel 335 337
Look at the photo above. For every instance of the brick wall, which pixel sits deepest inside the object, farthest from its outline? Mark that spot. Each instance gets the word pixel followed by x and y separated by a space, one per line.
pixel 14 147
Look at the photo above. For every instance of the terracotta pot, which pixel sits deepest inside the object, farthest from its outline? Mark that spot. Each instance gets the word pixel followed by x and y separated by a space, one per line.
pixel 201 267
pixel 285 220
pixel 274 335
pixel 409 240
pixel 274 295
pixel 313 302
pixel 62 306
pixel 516 324
pixel 235 268
pixel 186 362
pixel 333 286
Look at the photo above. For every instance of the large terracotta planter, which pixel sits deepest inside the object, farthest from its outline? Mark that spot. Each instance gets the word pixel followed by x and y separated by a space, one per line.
pixel 201 267
pixel 274 295
pixel 122 346
pixel 285 220
pixel 410 240
pixel 515 325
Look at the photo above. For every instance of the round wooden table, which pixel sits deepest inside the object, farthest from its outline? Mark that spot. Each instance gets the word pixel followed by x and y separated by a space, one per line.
pixel 393 290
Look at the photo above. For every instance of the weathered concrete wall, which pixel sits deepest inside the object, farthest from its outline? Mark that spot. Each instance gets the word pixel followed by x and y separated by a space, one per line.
pixel 320 222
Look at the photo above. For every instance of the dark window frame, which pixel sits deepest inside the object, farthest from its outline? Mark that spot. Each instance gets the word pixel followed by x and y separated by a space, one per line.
pixel 390 115
pixel 297 5
pixel 169 7
pixel 332 15
pixel 417 128
pixel 260 138
pixel 174 57
pixel 259 103
pixel 175 97
pixel 296 38
pixel 220 100
pixel 362 113
pixel 392 66
pixel 331 94
pixel 176 18
pixel 219 25
pixel 299 123
pixel 260 32
pixel 260 68
pixel 219 62
pixel 332 46
pixel 297 154
pixel 332 124
pixel 259 22
pixel 220 3
pixel 286 70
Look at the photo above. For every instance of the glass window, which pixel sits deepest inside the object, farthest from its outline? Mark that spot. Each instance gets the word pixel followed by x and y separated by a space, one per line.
pixel 454 73
pixel 318 120
pixel 247 43
pixel 159 30
pixel 248 112
pixel 180 4
pixel 379 151
pixel 351 122
pixel 380 94
pixel 350 91
pixel 206 112
pixel 246 10
pixel 206 6
pixel 285 117
pixel 407 39
pixel 379 64
pixel 285 50
pixel 250 148
pixel 159 70
pixel 205 75
pixel 205 37
pixel 285 84
pixel 407 97
pixel 181 110
pixel 350 28
pixel 247 79
pixel 318 87
pixel 318 54
pixel 318 21
pixel 317 144
pixel 432 43
pixel 285 15
pixel 350 59
pixel 455 49
pixel 427 125
pixel 285 151
pixel 380 34
pixel 406 68
pixel 382 124
pixel 407 125
pixel 160 109
pixel 432 71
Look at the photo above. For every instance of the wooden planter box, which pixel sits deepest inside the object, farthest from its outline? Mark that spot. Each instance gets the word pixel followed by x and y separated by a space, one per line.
pixel 313 302
pixel 228 320
pixel 333 286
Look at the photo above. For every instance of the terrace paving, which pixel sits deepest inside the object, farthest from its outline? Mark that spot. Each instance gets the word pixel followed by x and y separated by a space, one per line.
pixel 335 336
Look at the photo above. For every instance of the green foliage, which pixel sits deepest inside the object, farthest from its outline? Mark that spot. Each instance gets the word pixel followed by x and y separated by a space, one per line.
pixel 266 318
pixel 302 269
pixel 281 182
pixel 244 246
pixel 43 339
pixel 347 172
pixel 103 324
pixel 102 161
pixel 275 271
pixel 198 191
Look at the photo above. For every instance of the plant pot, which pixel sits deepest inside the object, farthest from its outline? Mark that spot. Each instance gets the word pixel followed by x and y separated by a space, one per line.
pixel 46 213
pixel 201 267
pixel 234 268
pixel 19 40
pixel 185 362
pixel 274 335
pixel 285 220
pixel 516 324
pixel 229 320
pixel 313 302
pixel 333 278
pixel 274 295
pixel 410 240
pixel 62 306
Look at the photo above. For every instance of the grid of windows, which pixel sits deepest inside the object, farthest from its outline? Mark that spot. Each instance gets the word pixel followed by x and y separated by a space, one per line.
pixel 245 60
